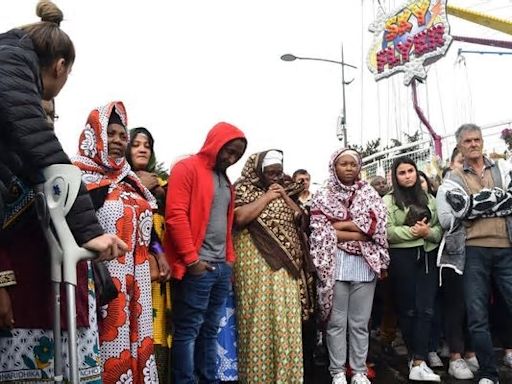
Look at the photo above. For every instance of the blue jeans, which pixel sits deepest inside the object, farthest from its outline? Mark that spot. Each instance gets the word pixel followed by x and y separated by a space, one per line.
pixel 197 310
pixel 482 265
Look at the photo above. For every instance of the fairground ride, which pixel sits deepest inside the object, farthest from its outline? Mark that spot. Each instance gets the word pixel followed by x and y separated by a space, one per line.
pixel 390 59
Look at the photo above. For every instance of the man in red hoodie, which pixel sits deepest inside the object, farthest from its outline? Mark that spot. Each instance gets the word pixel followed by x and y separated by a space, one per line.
pixel 199 218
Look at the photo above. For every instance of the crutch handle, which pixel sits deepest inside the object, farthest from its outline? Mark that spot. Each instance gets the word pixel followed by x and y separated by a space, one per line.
pixel 54 201
pixel 60 190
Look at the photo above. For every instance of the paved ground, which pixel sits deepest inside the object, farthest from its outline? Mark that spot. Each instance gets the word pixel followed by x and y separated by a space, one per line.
pixel 393 370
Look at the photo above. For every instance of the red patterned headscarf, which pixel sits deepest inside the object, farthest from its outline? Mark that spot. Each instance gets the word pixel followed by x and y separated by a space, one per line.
pixel 98 168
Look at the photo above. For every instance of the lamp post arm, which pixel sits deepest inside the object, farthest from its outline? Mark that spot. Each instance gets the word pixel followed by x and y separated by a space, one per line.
pixel 328 61
pixel 290 57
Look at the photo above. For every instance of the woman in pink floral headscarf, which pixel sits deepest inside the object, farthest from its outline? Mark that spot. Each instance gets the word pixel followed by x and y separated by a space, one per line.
pixel 349 250
pixel 124 207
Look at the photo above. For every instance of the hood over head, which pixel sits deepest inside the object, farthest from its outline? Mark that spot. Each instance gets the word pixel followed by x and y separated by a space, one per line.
pixel 221 134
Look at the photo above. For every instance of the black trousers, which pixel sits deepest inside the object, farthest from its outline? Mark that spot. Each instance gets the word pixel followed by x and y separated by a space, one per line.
pixel 308 346
pixel 414 277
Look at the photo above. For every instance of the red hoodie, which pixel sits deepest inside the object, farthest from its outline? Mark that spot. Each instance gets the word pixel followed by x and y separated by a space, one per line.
pixel 190 196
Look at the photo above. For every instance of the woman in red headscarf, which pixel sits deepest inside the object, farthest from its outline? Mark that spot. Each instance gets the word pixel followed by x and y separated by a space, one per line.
pixel 124 207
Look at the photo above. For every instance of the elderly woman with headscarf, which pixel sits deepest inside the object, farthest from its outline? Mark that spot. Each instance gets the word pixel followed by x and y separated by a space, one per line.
pixel 349 250
pixel 270 277
pixel 124 207
pixel 140 154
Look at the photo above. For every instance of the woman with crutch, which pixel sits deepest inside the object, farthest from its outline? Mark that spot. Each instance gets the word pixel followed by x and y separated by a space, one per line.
pixel 35 61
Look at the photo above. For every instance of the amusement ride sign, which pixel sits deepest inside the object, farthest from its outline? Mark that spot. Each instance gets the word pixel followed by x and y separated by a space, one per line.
pixel 409 39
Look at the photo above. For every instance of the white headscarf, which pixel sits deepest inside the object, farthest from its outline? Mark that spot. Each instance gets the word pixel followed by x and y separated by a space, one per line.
pixel 272 157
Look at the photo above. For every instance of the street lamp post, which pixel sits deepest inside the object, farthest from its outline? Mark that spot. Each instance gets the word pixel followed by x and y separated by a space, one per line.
pixel 344 117
pixel 290 57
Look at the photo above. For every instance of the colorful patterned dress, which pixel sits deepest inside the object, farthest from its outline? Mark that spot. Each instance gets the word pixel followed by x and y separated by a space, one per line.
pixel 125 326
pixel 161 299
pixel 27 355
pixel 268 319
pixel 126 332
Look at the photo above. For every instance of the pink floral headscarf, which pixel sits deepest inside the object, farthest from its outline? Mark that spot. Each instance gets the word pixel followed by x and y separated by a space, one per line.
pixel 334 202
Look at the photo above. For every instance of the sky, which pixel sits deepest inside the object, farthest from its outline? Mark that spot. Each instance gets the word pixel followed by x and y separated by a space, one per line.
pixel 182 66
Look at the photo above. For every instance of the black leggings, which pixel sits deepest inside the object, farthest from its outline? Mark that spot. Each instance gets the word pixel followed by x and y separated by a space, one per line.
pixel 414 277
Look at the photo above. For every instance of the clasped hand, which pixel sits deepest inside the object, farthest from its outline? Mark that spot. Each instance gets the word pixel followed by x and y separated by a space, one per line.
pixel 420 229
pixel 148 179
pixel 274 191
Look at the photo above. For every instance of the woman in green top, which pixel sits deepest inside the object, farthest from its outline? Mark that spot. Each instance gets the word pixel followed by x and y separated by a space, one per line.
pixel 414 234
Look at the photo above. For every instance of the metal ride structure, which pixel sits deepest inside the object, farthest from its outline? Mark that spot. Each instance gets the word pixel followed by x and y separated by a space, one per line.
pixel 421 152
pixel 410 39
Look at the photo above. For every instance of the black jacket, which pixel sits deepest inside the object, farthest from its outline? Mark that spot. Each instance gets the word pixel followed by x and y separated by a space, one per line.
pixel 27 141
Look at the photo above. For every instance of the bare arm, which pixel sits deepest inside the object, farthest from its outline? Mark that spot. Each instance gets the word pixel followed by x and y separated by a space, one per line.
pixel 344 235
pixel 347 226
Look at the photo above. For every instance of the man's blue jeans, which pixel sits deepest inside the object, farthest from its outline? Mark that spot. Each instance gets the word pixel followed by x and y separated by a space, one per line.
pixel 482 265
pixel 197 309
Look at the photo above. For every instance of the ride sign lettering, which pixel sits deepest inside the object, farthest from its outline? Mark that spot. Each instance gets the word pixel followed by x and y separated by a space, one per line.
pixel 415 35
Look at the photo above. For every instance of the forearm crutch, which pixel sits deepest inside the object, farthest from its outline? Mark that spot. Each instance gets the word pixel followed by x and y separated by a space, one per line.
pixel 55 198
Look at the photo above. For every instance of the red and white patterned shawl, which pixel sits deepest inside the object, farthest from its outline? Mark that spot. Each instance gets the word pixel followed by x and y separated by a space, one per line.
pixel 98 168
pixel 362 205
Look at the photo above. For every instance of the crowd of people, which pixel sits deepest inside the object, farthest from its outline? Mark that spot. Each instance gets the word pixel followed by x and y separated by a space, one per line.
pixel 218 281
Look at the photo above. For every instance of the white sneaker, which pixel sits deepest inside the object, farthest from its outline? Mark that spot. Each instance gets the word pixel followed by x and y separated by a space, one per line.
pixel 423 373
pixel 360 378
pixel 434 361
pixel 487 381
pixel 339 378
pixel 460 370
pixel 472 363
pixel 507 359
